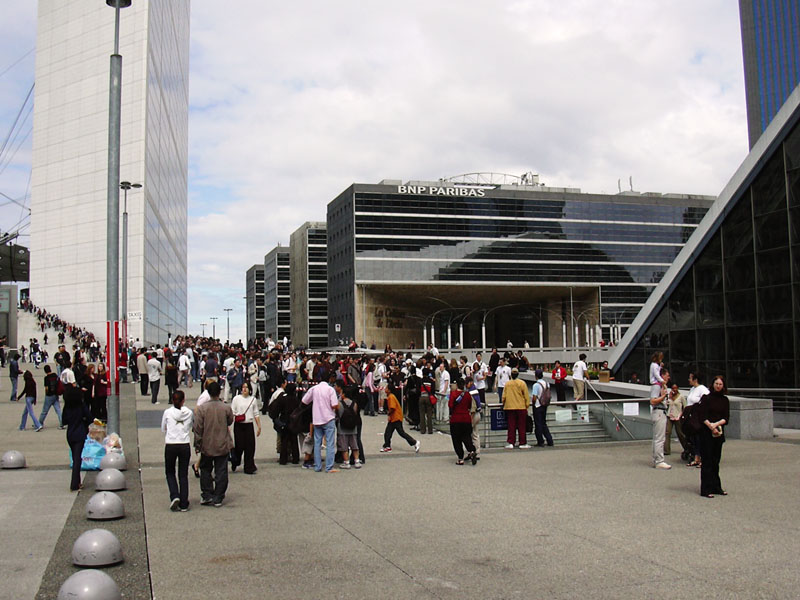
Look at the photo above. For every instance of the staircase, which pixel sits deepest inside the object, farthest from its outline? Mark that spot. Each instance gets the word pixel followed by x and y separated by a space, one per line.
pixel 28 327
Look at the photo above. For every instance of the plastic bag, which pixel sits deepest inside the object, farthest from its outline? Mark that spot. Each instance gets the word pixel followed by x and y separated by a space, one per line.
pixel 93 453
pixel 97 430
pixel 113 443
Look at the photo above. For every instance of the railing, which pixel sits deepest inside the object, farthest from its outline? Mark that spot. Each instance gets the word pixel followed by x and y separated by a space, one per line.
pixel 783 399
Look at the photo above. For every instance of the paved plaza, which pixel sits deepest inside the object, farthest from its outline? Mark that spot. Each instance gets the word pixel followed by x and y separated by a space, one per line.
pixel 564 522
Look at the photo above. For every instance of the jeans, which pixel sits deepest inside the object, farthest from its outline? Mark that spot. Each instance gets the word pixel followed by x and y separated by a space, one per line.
pixel 500 394
pixel 329 431
pixel 13 389
pixel 178 487
pixel 195 370
pixel 154 385
pixel 541 430
pixel 29 400
pixel 48 402
pixel 215 489
pixel 370 408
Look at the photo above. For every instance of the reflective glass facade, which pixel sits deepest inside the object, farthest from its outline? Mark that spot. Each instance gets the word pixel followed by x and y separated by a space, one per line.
pixel 277 290
pixel 771 49
pixel 438 234
pixel 254 298
pixel 736 310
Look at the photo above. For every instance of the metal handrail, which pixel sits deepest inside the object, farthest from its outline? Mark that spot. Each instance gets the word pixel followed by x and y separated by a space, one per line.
pixel 616 418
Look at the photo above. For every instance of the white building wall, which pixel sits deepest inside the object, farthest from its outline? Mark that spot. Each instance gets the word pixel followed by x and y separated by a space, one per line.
pixel 70 161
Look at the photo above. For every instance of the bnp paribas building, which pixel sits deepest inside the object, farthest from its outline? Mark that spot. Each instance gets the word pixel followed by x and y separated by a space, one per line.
pixel 483 259
pixel 74 40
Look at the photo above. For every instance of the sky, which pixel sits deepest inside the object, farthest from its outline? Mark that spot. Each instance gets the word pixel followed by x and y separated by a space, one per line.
pixel 291 102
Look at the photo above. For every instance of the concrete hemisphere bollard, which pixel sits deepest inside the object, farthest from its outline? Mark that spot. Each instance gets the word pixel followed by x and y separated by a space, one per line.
pixel 105 506
pixel 110 480
pixel 13 459
pixel 96 548
pixel 89 584
pixel 114 460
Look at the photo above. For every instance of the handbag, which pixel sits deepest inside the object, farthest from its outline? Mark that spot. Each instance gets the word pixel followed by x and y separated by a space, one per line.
pixel 240 418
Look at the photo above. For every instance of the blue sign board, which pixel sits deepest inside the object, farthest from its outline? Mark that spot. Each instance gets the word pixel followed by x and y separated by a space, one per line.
pixel 499 421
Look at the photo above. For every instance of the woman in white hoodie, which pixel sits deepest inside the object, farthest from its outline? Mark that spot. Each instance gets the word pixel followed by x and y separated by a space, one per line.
pixel 176 425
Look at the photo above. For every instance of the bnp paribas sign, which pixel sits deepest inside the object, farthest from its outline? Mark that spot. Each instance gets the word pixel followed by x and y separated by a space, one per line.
pixel 433 190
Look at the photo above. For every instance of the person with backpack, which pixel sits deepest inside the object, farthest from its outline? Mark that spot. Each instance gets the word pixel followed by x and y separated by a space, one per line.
pixel 459 403
pixel 540 399
pixel 280 411
pixel 347 420
pixel 52 390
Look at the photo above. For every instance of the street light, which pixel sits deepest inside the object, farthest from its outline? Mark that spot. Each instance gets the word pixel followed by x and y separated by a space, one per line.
pixel 112 216
pixel 228 310
pixel 213 327
pixel 203 325
pixel 125 186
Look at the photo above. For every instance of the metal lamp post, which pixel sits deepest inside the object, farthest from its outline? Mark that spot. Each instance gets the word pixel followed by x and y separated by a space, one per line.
pixel 112 216
pixel 228 311
pixel 125 186
pixel 213 327
pixel 203 325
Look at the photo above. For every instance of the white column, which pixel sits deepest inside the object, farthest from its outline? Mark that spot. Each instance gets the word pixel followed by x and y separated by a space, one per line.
pixel 461 335
pixel 564 333
pixel 424 337
pixel 588 339
pixel 541 335
pixel 449 337
pixel 483 335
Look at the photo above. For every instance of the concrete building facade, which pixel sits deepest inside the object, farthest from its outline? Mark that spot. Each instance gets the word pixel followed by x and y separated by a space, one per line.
pixel 70 161
pixel 309 275
pixel 277 294
pixel 254 300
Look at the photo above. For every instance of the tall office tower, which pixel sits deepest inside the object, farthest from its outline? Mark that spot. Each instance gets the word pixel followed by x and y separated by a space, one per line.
pixel 309 275
pixel 277 290
pixel 254 298
pixel 771 50
pixel 70 161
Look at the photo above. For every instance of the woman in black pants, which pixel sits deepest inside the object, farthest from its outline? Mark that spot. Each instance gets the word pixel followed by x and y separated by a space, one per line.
pixel 461 422
pixel 76 417
pixel 176 424
pixel 714 411
pixel 245 414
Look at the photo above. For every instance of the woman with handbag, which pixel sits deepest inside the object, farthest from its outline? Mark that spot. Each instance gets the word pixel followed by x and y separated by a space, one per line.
pixel 245 414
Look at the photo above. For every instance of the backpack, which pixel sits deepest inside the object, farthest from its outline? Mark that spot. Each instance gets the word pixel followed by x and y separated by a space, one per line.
pixel 544 399
pixel 348 419
pixel 297 420
pixel 690 424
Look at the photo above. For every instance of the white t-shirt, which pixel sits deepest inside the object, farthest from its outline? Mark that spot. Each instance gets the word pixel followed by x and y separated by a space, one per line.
pixel 695 394
pixel 153 369
pixel 503 376
pixel 444 382
pixel 537 390
pixel 479 377
pixel 579 370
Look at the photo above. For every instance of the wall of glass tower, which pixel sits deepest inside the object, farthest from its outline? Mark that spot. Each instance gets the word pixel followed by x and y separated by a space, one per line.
pixel 309 275
pixel 254 300
pixel 70 161
pixel 277 294
pixel 734 308
pixel 771 50
pixel 548 266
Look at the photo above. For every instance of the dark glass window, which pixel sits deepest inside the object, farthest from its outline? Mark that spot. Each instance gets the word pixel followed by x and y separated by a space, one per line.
pixel 740 307
pixel 710 310
pixel 742 342
pixel 773 267
pixel 707 272
pixel 283 289
pixel 681 305
pixel 769 188
pixel 711 344
pixel 683 346
pixel 737 230
pixel 743 374
pixel 777 342
pixel 775 303
pixel 772 231
pixel 778 373
pixel 740 272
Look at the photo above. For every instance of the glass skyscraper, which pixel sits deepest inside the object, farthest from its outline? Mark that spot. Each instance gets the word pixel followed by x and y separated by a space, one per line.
pixel 70 161
pixel 771 50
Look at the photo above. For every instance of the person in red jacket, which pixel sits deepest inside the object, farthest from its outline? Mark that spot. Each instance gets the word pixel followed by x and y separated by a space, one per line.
pixel 461 423
pixel 559 375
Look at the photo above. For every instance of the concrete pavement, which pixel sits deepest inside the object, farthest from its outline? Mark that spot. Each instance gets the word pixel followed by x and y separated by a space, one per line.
pixel 590 521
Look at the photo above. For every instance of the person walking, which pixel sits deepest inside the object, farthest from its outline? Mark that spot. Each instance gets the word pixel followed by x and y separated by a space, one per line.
pixel 29 393
pixel 141 365
pixel 245 416
pixel 714 414
pixel 51 386
pixel 99 403
pixel 176 424
pixel 540 398
pixel 13 375
pixel 212 441
pixel 459 404
pixel 76 417
pixel 154 377
pixel 515 405
pixel 395 421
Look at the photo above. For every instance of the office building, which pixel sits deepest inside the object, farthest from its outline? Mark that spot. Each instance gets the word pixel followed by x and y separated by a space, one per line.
pixel 771 51
pixel 277 294
pixel 70 162
pixel 730 304
pixel 254 300
pixel 309 275
pixel 483 259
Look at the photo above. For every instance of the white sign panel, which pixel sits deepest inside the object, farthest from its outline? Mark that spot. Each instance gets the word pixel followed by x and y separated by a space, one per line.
pixel 134 315
pixel 583 412
pixel 564 414
pixel 630 409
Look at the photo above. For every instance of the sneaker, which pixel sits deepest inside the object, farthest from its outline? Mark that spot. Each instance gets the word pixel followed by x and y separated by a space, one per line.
pixel 509 446
pixel 386 449
pixel 185 509
pixel 524 446
pixel 663 465
pixel 156 402
pixel 206 502
pixel 344 466
pixel 308 465
pixel 217 503
pixel 173 506
pixel 358 464
pixel 40 427
pixel 474 458
pixel 416 447
pixel 334 470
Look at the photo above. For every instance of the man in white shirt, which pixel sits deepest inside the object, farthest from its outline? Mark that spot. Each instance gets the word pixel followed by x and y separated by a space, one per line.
pixel 479 376
pixel 184 366
pixel 154 376
pixel 579 377
pixel 503 376
pixel 443 393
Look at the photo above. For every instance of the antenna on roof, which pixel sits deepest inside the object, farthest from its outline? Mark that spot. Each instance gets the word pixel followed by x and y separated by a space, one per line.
pixel 630 180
